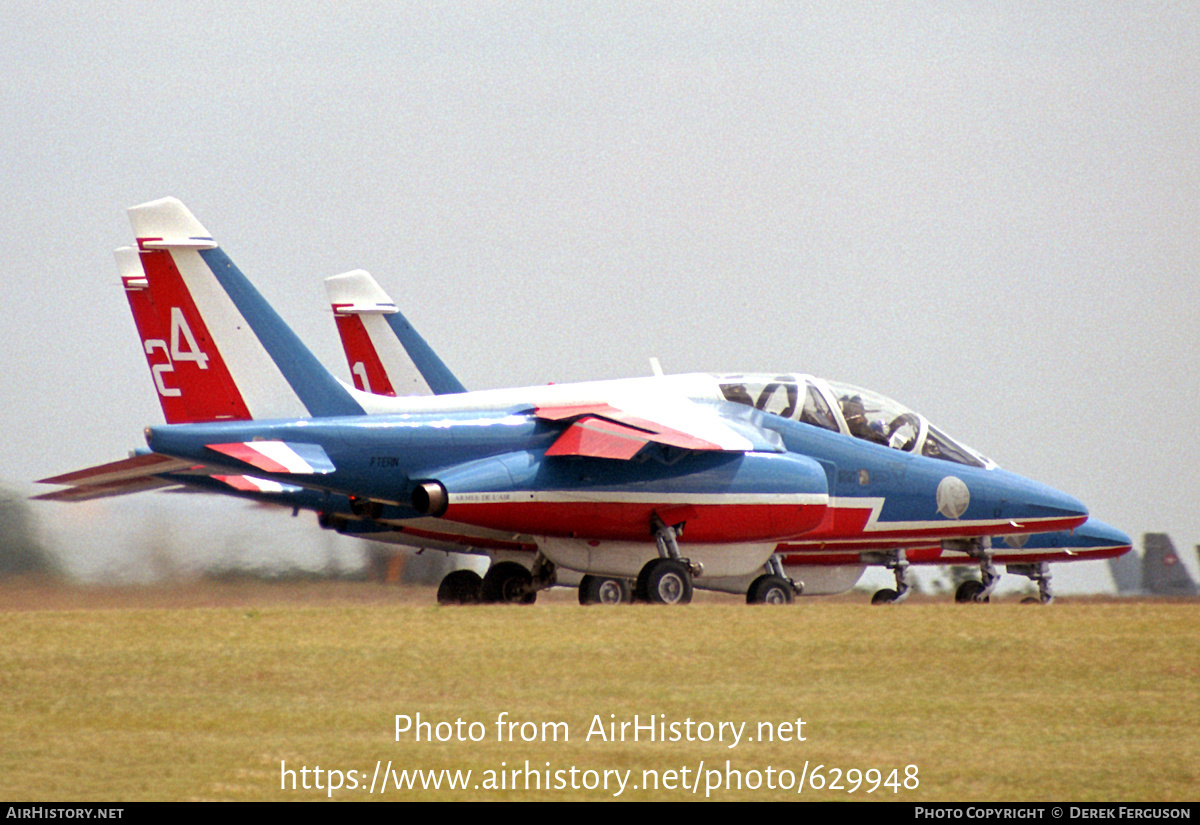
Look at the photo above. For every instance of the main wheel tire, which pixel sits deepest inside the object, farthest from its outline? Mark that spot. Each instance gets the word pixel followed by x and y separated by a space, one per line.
pixel 639 585
pixel 666 581
pixel 508 582
pixel 603 590
pixel 768 589
pixel 968 592
pixel 460 587
pixel 885 596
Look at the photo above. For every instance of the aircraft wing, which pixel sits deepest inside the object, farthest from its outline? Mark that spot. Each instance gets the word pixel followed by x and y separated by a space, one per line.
pixel 604 430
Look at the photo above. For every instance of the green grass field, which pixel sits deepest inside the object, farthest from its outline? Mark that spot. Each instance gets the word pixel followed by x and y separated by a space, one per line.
pixel 202 692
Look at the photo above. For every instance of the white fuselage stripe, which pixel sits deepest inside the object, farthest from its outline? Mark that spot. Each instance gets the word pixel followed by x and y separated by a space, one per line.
pixel 622 497
pixel 874 525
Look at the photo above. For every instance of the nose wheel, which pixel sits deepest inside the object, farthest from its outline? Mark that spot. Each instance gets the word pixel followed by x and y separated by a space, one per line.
pixel 897 562
pixel 1039 574
pixel 971 591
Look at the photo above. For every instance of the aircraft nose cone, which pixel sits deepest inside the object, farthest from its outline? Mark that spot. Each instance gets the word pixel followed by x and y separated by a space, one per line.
pixel 1098 534
pixel 1056 503
pixel 1043 505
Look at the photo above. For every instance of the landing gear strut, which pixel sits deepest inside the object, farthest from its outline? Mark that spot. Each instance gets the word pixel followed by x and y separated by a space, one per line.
pixel 1039 573
pixel 667 579
pixel 972 591
pixel 897 562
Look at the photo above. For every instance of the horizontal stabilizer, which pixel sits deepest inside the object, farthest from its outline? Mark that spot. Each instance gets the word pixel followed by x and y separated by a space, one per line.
pixel 278 456
pixel 138 466
pixel 86 492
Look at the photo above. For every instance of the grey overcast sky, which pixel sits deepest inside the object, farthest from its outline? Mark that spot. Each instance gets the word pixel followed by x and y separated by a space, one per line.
pixel 987 211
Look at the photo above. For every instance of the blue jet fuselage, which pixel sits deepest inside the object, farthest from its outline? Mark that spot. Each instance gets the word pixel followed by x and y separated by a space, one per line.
pixel 820 486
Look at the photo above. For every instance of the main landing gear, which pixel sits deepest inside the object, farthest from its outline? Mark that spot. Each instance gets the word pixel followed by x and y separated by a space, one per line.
pixel 508 582
pixel 773 587
pixel 505 582
pixel 897 562
pixel 667 579
pixel 604 590
pixel 460 587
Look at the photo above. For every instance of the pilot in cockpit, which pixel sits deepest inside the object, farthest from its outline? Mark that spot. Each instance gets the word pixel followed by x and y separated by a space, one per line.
pixel 860 426
pixel 856 416
pixel 737 393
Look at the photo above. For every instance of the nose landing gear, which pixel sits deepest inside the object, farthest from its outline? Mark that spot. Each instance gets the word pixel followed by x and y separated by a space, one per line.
pixel 971 591
pixel 1039 573
pixel 897 562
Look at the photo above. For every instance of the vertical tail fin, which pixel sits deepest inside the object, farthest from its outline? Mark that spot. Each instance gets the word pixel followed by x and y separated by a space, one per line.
pixel 211 396
pixel 218 351
pixel 1163 572
pixel 386 355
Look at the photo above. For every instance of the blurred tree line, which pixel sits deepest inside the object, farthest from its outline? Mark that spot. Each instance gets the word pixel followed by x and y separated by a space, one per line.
pixel 21 550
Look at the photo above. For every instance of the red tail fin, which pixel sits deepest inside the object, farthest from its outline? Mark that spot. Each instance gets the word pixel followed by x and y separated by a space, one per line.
pixel 190 377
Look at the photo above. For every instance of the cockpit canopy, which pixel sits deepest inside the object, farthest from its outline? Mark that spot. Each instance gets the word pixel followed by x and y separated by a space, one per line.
pixel 849 410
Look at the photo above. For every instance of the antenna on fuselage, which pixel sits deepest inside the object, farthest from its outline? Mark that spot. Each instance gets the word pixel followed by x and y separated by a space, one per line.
pixel 656 367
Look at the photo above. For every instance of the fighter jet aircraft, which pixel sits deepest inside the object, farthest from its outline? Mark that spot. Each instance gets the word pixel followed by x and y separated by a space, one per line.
pixel 383 349
pixel 666 478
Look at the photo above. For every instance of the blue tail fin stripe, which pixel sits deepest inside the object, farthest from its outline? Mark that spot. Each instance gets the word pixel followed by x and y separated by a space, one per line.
pixel 436 374
pixel 317 389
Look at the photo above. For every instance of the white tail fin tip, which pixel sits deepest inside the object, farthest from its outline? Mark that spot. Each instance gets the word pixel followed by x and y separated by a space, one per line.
pixel 356 292
pixel 130 267
pixel 166 223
